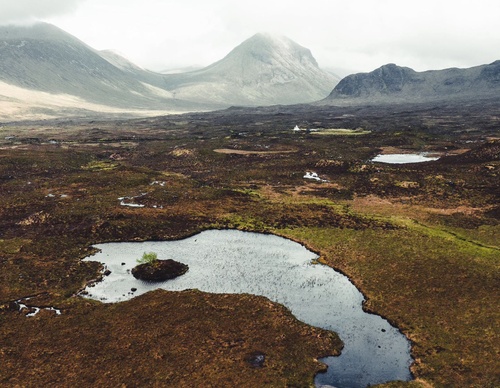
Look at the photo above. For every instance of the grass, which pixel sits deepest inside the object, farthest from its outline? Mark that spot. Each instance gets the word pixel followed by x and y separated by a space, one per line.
pixel 341 132
pixel 12 246
pixel 150 258
pixel 180 339
pixel 99 165
pixel 419 241
pixel 410 279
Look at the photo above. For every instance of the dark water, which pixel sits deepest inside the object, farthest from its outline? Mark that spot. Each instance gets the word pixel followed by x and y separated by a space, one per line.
pixel 229 261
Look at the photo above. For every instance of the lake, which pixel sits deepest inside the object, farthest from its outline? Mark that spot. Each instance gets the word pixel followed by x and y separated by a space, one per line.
pixel 403 158
pixel 231 261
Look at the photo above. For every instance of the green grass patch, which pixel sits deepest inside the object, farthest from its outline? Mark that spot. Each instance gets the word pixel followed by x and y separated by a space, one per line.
pixel 13 245
pixel 100 165
pixel 341 132
pixel 442 292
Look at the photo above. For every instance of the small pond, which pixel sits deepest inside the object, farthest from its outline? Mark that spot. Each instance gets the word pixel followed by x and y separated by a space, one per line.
pixel 404 158
pixel 230 261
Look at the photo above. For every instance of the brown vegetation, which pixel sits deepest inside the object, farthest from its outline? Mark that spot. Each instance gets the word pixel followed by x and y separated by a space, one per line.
pixel 420 241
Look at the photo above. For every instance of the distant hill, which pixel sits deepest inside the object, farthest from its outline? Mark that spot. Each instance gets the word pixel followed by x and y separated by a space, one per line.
pixel 263 70
pixel 393 84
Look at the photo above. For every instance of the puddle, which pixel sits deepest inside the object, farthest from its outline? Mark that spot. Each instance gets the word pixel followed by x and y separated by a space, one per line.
pixel 131 204
pixel 230 261
pixel 31 311
pixel 313 176
pixel 404 158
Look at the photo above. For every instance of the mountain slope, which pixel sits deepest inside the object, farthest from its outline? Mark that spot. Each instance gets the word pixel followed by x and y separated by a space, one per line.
pixel 43 68
pixel 132 70
pixel 391 83
pixel 263 70
pixel 44 58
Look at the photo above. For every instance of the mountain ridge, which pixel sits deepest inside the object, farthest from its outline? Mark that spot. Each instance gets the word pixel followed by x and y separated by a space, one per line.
pixel 42 58
pixel 45 58
pixel 47 71
pixel 392 83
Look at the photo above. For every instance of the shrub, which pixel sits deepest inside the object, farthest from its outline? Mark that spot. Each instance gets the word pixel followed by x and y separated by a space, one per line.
pixel 148 258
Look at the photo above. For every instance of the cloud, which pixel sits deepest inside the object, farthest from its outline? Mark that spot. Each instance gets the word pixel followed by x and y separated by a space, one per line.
pixel 25 11
pixel 355 35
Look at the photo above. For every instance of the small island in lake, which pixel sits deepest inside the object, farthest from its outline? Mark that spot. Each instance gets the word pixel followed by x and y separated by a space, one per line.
pixel 152 269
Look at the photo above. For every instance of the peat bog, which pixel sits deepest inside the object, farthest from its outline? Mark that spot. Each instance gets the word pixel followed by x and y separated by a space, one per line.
pixel 419 240
pixel 232 261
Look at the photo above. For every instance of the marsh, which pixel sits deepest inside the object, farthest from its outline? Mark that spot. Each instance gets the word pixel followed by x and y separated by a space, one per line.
pixel 231 261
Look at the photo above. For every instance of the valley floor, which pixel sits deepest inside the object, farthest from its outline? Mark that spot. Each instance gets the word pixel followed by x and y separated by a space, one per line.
pixel 419 240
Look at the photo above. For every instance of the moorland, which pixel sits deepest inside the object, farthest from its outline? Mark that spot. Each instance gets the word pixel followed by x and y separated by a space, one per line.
pixel 419 240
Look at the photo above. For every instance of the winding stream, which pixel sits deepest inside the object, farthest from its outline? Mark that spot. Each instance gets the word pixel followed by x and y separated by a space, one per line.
pixel 230 261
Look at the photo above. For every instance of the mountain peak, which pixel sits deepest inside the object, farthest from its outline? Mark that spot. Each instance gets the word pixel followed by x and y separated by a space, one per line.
pixel 271 39
pixel 392 69
pixel 264 69
pixel 393 83
pixel 44 58
pixel 265 46
pixel 387 79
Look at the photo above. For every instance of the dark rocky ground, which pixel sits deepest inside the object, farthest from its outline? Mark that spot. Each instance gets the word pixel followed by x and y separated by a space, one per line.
pixel 419 240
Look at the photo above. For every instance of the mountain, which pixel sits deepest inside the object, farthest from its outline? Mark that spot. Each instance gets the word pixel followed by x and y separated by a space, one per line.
pixel 46 72
pixel 44 58
pixel 150 78
pixel 119 61
pixel 263 70
pixel 44 69
pixel 393 84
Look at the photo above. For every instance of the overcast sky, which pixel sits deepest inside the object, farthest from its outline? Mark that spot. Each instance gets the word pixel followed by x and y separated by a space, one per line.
pixel 349 36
